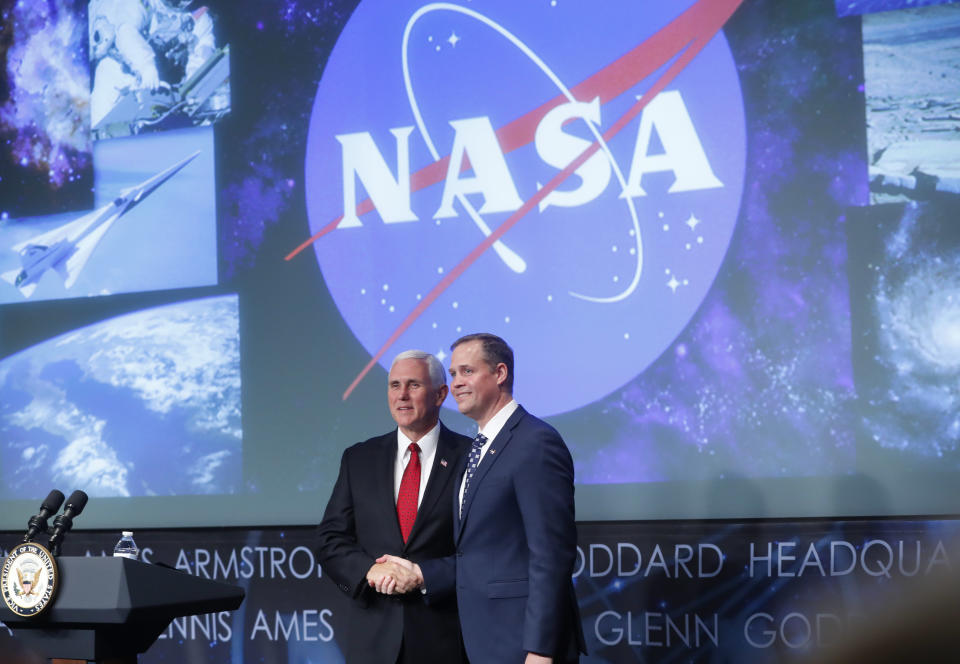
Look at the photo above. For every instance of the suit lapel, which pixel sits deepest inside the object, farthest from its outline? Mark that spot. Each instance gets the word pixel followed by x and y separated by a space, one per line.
pixel 440 474
pixel 458 478
pixel 386 464
pixel 494 452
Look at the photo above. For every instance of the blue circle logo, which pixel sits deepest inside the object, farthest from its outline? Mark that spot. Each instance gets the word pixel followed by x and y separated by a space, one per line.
pixel 564 174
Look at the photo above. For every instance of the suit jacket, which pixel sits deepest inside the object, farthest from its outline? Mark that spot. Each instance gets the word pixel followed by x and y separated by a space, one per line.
pixel 515 549
pixel 360 524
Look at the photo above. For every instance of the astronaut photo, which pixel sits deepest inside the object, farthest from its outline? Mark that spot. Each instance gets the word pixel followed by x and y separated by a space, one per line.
pixel 156 65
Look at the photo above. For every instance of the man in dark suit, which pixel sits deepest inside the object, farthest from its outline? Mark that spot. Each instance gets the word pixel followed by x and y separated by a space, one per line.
pixel 393 496
pixel 513 522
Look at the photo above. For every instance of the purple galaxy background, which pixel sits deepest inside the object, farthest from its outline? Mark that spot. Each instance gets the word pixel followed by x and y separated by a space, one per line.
pixel 295 352
pixel 46 163
pixel 272 97
pixel 760 382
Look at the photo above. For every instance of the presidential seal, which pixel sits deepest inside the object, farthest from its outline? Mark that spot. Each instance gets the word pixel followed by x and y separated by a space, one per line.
pixel 29 579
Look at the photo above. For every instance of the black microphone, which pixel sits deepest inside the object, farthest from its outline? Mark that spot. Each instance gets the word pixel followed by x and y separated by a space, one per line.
pixel 38 524
pixel 64 522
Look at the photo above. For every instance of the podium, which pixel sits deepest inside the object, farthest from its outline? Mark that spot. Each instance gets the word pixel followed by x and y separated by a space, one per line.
pixel 112 609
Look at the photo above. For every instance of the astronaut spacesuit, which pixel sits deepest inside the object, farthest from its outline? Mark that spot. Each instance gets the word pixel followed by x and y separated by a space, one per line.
pixel 144 45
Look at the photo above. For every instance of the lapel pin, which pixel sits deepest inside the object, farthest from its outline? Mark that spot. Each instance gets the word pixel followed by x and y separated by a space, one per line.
pixel 493 451
pixel 443 462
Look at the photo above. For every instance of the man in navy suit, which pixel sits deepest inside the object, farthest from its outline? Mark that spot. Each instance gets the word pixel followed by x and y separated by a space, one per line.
pixel 393 496
pixel 513 522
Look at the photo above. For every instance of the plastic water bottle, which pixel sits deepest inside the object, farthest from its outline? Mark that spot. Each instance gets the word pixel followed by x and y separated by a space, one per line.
pixel 126 547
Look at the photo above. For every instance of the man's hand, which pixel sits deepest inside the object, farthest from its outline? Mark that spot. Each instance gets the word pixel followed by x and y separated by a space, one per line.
pixel 534 658
pixel 390 577
pixel 379 578
pixel 410 576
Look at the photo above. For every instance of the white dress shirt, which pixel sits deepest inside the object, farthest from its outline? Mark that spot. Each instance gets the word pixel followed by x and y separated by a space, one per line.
pixel 428 449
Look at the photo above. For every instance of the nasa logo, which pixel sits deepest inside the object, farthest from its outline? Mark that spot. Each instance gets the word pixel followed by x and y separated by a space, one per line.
pixel 563 174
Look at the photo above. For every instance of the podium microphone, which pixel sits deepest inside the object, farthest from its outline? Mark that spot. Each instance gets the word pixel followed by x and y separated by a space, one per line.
pixel 64 522
pixel 38 524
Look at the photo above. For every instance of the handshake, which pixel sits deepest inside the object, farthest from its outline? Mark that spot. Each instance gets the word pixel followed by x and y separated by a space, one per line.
pixel 391 575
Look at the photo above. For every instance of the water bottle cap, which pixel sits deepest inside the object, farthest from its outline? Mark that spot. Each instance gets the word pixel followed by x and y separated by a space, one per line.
pixel 127 533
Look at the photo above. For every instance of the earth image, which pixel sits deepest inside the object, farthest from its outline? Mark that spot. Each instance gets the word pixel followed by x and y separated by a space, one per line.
pixel 143 404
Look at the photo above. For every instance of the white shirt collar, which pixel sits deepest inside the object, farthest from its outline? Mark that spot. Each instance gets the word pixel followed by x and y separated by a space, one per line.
pixel 428 444
pixel 496 422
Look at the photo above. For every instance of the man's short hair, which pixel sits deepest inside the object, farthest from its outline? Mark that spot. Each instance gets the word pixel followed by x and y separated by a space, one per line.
pixel 495 350
pixel 438 377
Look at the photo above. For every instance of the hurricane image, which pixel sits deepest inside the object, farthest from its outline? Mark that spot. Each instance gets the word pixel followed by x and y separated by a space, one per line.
pixel 905 263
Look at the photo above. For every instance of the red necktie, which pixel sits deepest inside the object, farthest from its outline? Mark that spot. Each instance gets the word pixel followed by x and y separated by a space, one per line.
pixel 409 492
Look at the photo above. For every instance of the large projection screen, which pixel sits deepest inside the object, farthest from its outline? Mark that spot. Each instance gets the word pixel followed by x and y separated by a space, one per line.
pixel 720 235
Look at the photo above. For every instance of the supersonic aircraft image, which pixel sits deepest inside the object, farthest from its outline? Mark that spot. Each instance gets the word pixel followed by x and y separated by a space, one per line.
pixel 68 248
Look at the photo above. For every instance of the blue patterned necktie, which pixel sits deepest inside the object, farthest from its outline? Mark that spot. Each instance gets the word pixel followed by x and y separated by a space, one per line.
pixel 472 462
